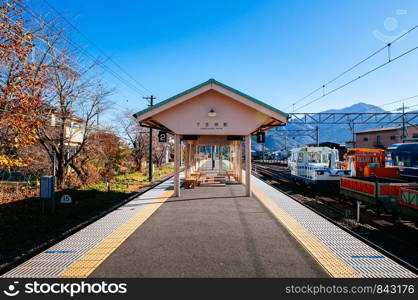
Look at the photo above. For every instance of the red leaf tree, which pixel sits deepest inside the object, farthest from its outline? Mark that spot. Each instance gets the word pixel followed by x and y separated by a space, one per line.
pixel 21 85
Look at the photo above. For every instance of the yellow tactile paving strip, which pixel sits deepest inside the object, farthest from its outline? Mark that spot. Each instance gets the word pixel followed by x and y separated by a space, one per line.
pixel 324 256
pixel 92 259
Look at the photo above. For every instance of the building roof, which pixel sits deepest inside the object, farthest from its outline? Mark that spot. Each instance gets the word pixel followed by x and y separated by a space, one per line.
pixel 49 109
pixel 326 144
pixel 381 129
pixel 211 81
pixel 404 147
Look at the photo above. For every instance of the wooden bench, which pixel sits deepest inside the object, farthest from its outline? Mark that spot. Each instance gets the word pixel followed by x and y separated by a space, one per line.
pixel 230 174
pixel 189 183
pixel 196 176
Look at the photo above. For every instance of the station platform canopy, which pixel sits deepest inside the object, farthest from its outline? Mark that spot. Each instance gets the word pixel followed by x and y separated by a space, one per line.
pixel 212 108
pixel 217 116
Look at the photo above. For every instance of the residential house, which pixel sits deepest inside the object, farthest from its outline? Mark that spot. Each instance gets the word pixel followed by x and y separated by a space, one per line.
pixel 384 137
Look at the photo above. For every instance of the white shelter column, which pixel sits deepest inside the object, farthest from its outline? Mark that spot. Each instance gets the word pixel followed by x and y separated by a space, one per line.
pixel 177 165
pixel 240 162
pixel 248 165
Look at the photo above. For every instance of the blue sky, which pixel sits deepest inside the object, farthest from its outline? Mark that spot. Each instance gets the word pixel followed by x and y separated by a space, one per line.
pixel 276 51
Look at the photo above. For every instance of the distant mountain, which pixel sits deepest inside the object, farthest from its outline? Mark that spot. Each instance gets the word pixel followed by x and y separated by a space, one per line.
pixel 355 108
pixel 275 141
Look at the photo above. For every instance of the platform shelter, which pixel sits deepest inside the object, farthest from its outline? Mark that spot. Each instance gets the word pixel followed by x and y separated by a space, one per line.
pixel 214 122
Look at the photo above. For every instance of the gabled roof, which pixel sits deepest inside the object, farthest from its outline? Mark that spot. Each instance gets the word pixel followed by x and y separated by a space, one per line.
pixel 404 147
pixel 380 129
pixel 213 81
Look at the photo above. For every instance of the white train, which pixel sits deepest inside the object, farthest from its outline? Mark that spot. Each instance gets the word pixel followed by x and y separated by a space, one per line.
pixel 317 166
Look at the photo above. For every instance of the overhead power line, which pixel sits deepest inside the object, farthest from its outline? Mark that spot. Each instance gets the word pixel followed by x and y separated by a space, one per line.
pixel 96 46
pixel 87 54
pixel 400 100
pixel 322 87
pixel 406 107
pixel 357 78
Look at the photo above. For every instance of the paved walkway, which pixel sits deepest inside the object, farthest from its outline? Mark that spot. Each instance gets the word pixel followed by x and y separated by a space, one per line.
pixel 210 232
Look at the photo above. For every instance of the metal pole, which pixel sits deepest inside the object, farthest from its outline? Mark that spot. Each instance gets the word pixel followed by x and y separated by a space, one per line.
pixel 354 136
pixel 54 164
pixel 151 99
pixel 150 156
pixel 352 132
pixel 263 153
pixel 177 165
pixel 213 158
pixel 317 135
pixel 248 165
pixel 403 123
pixel 358 211
pixel 285 143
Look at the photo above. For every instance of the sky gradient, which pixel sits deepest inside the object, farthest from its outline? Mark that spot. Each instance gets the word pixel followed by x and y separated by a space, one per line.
pixel 276 51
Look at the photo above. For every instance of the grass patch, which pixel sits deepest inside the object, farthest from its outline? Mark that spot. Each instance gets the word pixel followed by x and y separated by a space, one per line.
pixel 23 225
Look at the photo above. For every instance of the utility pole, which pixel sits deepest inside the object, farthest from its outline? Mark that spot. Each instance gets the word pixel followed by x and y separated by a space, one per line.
pixel 151 103
pixel 351 124
pixel 285 142
pixel 404 129
pixel 403 123
pixel 317 135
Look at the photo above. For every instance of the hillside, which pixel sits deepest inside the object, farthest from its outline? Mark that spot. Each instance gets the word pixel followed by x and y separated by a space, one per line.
pixel 328 133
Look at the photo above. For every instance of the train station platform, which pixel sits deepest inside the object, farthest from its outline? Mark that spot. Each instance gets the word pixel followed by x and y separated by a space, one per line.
pixel 211 232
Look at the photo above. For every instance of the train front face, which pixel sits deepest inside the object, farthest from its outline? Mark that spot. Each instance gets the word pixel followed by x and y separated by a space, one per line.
pixel 330 168
pixel 330 174
pixel 404 156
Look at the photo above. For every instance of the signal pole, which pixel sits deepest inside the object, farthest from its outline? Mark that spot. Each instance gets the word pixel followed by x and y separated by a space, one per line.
pixel 403 123
pixel 151 103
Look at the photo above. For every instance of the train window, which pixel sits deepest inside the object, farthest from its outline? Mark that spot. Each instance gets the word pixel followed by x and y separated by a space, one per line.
pixel 369 153
pixel 325 158
pixel 403 161
pixel 388 160
pixel 396 161
pixel 314 157
pixel 300 157
pixel 362 159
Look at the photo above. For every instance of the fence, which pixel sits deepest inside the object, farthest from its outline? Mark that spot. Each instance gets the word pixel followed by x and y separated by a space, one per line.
pixel 17 190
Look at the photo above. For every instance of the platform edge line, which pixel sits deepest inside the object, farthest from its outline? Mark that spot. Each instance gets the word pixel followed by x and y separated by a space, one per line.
pixel 331 263
pixel 90 261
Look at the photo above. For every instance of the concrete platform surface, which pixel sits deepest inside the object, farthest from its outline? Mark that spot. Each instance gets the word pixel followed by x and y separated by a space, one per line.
pixel 210 232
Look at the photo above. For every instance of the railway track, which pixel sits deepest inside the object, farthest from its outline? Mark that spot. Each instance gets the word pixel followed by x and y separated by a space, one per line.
pixel 396 238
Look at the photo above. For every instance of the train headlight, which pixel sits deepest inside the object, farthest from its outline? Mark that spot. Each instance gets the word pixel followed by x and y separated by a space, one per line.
pixel 320 172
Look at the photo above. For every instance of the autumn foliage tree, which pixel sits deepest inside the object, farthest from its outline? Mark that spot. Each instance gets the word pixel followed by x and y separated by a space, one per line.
pixel 21 85
pixel 73 99
pixel 137 137
pixel 105 153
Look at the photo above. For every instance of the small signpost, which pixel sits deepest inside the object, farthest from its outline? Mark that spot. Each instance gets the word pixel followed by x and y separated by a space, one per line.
pixel 162 137
pixel 66 199
pixel 47 191
pixel 261 137
pixel 358 211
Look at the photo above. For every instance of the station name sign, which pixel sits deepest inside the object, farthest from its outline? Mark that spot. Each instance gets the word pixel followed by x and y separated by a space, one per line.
pixel 212 125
